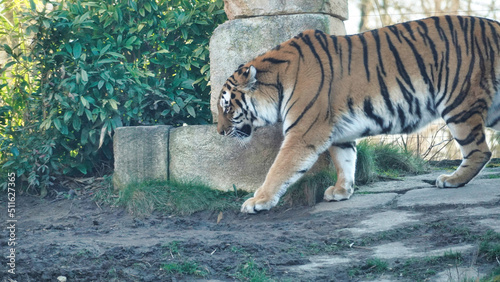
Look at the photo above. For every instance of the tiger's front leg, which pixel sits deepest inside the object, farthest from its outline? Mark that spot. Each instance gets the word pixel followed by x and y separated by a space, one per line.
pixel 344 158
pixel 293 160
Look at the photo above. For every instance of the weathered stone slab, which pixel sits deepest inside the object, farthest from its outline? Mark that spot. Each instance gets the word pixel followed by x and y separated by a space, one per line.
pixel 383 221
pixel 238 41
pixel 199 153
pixel 141 153
pixel 236 9
pixel 357 201
pixel 478 191
pixel 399 250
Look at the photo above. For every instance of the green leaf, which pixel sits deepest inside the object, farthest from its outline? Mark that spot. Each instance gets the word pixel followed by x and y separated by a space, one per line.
pixel 204 68
pixel 77 50
pixel 7 49
pixel 67 116
pixel 117 55
pixel 7 164
pixel 103 50
pixel 191 111
pixel 82 168
pixel 187 84
pixel 57 123
pixel 110 88
pixel 46 124
pixel 14 151
pixel 176 108
pixel 33 5
pixel 130 41
pixel 100 84
pixel 84 102
pixel 85 77
pixel 77 123
pixel 7 65
pixel 114 104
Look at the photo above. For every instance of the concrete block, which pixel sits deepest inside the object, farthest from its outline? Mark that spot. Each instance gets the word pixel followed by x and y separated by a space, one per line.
pixel 141 153
pixel 198 153
pixel 236 9
pixel 238 41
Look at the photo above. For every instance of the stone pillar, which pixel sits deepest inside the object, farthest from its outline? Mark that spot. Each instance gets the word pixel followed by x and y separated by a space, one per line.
pixel 256 26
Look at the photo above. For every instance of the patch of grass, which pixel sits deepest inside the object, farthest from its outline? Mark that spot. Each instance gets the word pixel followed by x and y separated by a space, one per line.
pixel 385 160
pixel 251 271
pixel 371 267
pixel 420 269
pixel 176 198
pixel 489 247
pixel 365 163
pixel 173 247
pixel 309 190
pixel 184 268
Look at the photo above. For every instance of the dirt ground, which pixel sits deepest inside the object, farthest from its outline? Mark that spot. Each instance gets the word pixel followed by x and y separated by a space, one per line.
pixel 78 240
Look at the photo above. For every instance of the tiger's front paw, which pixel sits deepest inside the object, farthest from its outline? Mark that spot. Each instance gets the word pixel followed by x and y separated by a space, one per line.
pixel 449 181
pixel 337 193
pixel 256 204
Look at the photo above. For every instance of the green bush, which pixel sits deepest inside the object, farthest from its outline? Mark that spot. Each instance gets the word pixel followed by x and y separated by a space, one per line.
pixel 93 66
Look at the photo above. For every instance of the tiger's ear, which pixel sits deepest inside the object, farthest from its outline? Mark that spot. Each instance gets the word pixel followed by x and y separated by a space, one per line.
pixel 250 75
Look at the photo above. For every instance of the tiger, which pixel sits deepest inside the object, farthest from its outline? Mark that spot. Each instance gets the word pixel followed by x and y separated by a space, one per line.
pixel 328 91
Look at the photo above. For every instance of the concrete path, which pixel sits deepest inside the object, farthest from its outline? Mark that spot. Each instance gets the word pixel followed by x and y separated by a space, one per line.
pixel 390 208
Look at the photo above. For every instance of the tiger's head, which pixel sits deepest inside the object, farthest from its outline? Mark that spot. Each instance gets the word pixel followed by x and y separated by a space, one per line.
pixel 237 114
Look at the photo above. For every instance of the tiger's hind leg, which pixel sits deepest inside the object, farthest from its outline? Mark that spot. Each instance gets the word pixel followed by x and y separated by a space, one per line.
pixel 471 139
pixel 344 159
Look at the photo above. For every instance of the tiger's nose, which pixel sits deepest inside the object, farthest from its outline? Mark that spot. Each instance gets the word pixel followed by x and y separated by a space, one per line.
pixel 221 131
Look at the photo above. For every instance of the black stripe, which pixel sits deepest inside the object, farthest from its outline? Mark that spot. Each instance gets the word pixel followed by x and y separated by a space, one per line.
pixel 464 92
pixel 496 36
pixel 430 106
pixel 399 63
pixel 406 94
pixel 365 55
pixel 349 59
pixel 401 116
pixel 445 58
pixel 308 42
pixel 385 92
pixel 369 112
pixel 483 35
pixel 311 126
pixel 346 145
pixel 421 65
pixel 429 41
pixel 322 39
pixel 408 28
pixel 335 43
pixel 464 24
pixel 350 103
pixel 472 136
pixel 293 92
pixel 275 61
pixel 395 31
pixel 477 108
pixel 379 55
pixel 296 46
